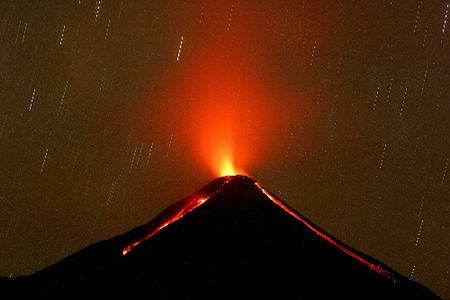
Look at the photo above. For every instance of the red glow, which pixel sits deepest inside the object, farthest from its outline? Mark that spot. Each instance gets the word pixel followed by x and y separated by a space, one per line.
pixel 322 234
pixel 220 98
pixel 227 117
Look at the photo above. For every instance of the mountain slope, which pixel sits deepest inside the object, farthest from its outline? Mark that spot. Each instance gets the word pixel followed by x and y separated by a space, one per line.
pixel 232 239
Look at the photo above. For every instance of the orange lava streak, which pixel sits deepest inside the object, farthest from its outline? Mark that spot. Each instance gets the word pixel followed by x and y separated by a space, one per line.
pixel 323 235
pixel 191 206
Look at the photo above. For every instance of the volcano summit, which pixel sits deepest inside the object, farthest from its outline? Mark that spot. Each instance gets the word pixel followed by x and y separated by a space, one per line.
pixel 231 239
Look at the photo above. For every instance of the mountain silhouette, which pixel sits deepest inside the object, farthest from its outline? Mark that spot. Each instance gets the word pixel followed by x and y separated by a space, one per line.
pixel 231 239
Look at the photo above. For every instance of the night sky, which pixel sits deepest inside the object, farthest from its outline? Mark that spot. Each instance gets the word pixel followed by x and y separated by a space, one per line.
pixel 111 110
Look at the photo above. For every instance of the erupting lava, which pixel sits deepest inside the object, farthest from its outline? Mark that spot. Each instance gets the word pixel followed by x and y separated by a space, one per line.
pixel 228 116
pixel 227 168
pixel 223 103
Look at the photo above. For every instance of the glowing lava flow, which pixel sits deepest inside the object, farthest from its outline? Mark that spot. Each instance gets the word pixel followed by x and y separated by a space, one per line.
pixel 202 198
pixel 323 235
pixel 190 206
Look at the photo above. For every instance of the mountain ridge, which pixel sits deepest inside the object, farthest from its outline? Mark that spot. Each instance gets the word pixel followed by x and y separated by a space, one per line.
pixel 232 236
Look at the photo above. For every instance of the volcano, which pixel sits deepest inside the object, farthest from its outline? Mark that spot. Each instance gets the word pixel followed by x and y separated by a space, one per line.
pixel 231 239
